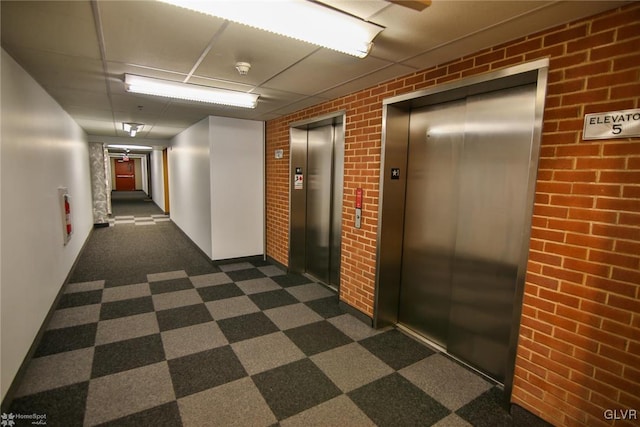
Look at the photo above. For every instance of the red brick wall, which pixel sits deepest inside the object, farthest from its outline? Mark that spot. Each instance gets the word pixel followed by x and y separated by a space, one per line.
pixel 579 350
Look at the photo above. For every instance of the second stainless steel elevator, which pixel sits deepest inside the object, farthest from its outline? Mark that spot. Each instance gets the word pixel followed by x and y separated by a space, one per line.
pixel 316 182
pixel 458 180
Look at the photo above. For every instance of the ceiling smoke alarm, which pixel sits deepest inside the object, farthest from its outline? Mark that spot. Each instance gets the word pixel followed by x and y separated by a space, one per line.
pixel 243 68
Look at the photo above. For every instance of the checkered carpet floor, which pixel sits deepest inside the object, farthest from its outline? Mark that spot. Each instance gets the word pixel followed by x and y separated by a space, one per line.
pixel 248 345
pixel 138 219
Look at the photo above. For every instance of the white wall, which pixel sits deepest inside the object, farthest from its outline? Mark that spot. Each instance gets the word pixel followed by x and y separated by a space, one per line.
pixel 42 149
pixel 157 178
pixel 237 187
pixel 216 186
pixel 189 184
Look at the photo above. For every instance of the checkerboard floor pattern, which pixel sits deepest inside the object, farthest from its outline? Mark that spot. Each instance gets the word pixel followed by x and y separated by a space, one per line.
pixel 246 345
pixel 138 220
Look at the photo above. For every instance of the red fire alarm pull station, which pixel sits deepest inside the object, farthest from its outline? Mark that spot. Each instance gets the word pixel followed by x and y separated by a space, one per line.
pixel 358 207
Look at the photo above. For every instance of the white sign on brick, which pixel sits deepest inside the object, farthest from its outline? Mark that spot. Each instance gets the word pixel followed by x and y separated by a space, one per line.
pixel 612 124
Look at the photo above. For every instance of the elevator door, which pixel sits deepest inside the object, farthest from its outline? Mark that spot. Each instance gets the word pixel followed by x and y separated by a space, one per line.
pixel 317 157
pixel 319 198
pixel 465 213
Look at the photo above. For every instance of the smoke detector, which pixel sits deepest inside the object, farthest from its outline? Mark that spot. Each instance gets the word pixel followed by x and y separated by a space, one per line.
pixel 243 68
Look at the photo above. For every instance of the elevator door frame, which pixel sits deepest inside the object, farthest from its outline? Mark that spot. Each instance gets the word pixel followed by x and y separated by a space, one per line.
pixel 394 154
pixel 298 200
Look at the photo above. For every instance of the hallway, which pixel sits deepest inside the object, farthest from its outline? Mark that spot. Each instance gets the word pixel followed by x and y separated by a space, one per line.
pixel 149 332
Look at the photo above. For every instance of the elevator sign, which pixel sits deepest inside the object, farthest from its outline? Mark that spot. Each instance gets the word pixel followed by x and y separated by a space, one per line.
pixel 613 124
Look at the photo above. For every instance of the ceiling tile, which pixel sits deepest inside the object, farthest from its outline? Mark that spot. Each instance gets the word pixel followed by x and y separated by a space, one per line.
pixel 245 44
pixel 155 34
pixel 65 27
pixel 368 80
pixel 321 70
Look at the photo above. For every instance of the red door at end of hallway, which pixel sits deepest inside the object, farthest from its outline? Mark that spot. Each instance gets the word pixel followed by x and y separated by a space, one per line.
pixel 125 175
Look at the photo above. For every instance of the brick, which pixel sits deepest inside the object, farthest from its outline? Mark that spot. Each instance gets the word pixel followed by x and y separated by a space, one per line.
pixel 575 176
pixel 615 20
pixel 595 189
pixel 590 42
pixel 618 49
pixel 559 298
pixel 625 261
pixel 579 150
pixel 566 35
pixel 524 47
pixel 631 192
pixel 625 62
pixel 588 96
pixel 578 315
pixel 589 69
pixel 626 247
pixel 559 138
pixel 629 233
pixel 630 276
pixel 572 201
pixel 612 286
pixel 489 57
pixel 618 149
pixel 612 79
pixel 618 204
pixel 592 215
pixel 586 267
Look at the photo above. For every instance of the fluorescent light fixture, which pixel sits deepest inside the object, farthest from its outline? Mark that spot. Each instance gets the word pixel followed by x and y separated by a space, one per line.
pixel 129 147
pixel 132 128
pixel 302 20
pixel 189 92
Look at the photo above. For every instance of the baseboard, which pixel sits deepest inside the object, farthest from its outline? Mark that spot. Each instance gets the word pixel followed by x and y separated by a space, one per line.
pixel 17 379
pixel 101 225
pixel 250 258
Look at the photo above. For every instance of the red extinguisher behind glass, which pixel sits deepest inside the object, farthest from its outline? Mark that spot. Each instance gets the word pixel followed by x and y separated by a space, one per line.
pixel 67 213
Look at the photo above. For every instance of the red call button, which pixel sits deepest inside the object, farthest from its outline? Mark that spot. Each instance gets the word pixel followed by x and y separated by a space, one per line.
pixel 358 198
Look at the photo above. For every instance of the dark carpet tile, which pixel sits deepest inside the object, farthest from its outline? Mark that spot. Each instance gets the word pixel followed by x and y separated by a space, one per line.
pixel 393 401
pixel 129 354
pixel 165 286
pixel 196 269
pixel 240 275
pixel 326 307
pixel 64 406
pixel 295 387
pixel 290 279
pixel 317 337
pixel 217 292
pixel 524 418
pixel 260 262
pixel 396 349
pixel 67 339
pixel 248 326
pixel 183 316
pixel 486 410
pixel 115 309
pixel 80 298
pixel 273 299
pixel 126 278
pixel 200 371
pixel 167 415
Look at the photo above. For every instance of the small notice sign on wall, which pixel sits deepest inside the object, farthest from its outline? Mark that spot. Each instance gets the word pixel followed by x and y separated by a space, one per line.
pixel 612 124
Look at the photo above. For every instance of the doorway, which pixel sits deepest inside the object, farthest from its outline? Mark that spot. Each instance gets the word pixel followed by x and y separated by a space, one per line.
pixel 458 173
pixel 317 164
pixel 125 172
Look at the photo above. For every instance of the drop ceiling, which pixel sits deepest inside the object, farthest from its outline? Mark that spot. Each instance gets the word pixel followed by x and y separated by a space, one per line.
pixel 79 52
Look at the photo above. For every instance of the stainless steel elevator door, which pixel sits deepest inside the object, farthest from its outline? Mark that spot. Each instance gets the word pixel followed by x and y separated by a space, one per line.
pixel 435 139
pixel 466 203
pixel 319 201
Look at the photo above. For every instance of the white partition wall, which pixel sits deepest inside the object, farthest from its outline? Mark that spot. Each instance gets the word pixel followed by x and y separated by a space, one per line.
pixel 216 186
pixel 237 187
pixel 189 184
pixel 43 149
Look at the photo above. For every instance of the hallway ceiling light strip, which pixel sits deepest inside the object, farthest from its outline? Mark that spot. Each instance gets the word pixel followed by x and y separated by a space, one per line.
pixel 302 20
pixel 189 92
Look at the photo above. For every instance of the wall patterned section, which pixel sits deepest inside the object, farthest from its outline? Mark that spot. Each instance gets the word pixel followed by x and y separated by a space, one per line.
pixel 579 349
pixel 99 183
